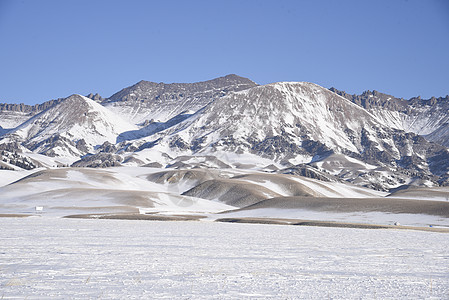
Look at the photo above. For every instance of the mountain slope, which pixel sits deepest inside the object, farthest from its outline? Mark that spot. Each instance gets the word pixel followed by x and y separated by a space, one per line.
pixel 423 117
pixel 282 120
pixel 72 127
pixel 146 100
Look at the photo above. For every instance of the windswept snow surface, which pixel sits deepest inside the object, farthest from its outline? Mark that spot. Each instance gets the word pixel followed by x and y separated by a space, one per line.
pixel 71 258
pixel 69 191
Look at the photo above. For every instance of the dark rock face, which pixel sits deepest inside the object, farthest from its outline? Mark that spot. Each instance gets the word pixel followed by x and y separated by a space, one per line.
pixel 153 165
pixel 81 145
pixel 99 160
pixel 310 172
pixel 95 97
pixel 439 165
pixel 34 109
pixel 179 144
pixel 273 146
pixel 107 147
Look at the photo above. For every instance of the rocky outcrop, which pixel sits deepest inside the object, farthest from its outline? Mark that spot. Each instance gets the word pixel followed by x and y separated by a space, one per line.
pixel 24 108
pixel 96 97
pixel 99 160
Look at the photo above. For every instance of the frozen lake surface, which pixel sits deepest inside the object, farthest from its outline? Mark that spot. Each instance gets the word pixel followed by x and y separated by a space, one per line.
pixel 44 257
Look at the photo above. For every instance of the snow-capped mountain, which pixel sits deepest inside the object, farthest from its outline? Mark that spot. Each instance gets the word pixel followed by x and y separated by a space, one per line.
pixel 298 128
pixel 146 101
pixel 72 127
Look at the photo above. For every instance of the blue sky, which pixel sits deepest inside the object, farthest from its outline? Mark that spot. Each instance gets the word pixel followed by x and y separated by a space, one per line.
pixel 51 49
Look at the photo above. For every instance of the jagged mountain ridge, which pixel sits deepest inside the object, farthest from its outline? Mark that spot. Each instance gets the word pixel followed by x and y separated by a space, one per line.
pixel 424 117
pixel 12 115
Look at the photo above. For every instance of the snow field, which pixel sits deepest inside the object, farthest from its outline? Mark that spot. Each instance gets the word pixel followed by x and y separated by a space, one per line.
pixel 78 259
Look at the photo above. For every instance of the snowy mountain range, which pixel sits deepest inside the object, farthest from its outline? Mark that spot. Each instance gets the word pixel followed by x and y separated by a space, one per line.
pixel 371 140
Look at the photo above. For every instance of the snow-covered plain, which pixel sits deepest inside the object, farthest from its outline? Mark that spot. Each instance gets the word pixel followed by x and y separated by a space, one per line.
pixel 47 256
pixel 74 258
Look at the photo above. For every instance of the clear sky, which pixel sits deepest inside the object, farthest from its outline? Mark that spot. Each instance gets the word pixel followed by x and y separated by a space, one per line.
pixel 53 48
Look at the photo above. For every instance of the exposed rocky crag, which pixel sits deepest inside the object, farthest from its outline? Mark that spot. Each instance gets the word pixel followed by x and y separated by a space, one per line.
pixel 95 97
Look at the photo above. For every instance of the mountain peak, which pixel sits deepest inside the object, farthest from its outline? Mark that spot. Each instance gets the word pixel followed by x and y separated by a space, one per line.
pixel 148 100
pixel 229 79
pixel 235 78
